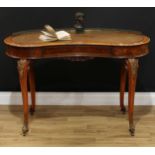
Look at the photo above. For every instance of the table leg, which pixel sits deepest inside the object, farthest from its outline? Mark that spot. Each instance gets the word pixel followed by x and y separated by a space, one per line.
pixel 23 66
pixel 123 86
pixel 132 75
pixel 32 88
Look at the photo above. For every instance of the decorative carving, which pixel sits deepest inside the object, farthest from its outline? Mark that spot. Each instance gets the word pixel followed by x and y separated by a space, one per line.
pixel 132 130
pixel 78 59
pixel 79 22
pixel 25 129
pixel 134 65
pixel 21 64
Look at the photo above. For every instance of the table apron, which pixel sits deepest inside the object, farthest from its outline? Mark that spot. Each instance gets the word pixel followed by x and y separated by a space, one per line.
pixel 77 51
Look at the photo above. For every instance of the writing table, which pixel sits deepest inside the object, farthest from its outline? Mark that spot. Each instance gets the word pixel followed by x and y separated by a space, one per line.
pixel 125 45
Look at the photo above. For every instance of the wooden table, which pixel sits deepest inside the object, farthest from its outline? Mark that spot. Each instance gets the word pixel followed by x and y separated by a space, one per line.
pixel 125 45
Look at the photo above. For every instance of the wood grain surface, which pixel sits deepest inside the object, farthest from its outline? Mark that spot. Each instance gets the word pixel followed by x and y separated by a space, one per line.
pixel 108 37
pixel 77 126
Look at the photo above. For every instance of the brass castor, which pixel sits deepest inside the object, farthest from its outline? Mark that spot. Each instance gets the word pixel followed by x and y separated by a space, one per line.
pixel 132 131
pixel 25 130
pixel 32 110
pixel 123 110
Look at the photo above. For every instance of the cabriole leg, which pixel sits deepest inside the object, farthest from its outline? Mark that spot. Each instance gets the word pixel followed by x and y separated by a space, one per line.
pixel 123 86
pixel 23 66
pixel 32 88
pixel 132 76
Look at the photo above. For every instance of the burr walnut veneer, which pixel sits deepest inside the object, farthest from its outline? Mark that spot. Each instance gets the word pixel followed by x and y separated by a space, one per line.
pixel 125 45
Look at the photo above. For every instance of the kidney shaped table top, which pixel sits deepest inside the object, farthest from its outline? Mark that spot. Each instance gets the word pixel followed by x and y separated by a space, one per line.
pixel 109 43
pixel 102 42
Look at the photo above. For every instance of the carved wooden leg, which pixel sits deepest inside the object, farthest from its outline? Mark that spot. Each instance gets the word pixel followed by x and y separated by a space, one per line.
pixel 122 86
pixel 32 88
pixel 23 66
pixel 132 73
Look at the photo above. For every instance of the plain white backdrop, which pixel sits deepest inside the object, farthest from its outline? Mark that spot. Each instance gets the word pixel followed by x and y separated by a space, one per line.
pixel 77 3
pixel 77 98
